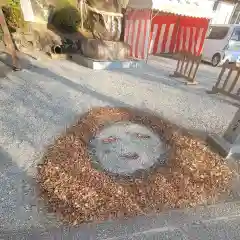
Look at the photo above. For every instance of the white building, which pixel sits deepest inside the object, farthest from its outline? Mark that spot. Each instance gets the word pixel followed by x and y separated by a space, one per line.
pixel 223 12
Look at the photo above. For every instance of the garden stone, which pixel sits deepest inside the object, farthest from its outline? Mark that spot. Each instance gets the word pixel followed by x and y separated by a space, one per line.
pixel 228 145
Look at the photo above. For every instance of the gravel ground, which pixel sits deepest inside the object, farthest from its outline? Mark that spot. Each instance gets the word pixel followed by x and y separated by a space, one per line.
pixel 37 103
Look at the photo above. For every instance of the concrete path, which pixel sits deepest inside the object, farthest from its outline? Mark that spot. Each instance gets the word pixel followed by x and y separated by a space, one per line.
pixel 39 102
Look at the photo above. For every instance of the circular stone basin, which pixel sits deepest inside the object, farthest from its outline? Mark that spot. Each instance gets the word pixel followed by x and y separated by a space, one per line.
pixel 124 148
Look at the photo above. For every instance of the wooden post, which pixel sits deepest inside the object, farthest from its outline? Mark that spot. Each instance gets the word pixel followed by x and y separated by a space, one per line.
pixel 191 68
pixel 7 38
pixel 225 89
pixel 233 131
pixel 178 64
pixel 227 79
pixel 187 67
pixel 183 61
pixel 192 80
pixel 220 76
pixel 234 81
pixel 228 145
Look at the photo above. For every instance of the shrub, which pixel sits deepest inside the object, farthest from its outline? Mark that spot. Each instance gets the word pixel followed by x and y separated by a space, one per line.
pixel 67 19
pixel 13 15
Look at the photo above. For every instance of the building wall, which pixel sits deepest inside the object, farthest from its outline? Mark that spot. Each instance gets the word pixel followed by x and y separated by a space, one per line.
pixel 223 12
pixel 236 15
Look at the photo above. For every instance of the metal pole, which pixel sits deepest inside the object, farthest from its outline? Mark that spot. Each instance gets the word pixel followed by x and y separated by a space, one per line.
pixel 151 18
pixel 178 29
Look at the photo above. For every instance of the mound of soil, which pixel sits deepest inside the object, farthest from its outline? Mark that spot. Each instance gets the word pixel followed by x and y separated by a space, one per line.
pixel 73 187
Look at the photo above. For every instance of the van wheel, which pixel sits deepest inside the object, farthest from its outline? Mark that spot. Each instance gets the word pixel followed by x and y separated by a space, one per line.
pixel 216 59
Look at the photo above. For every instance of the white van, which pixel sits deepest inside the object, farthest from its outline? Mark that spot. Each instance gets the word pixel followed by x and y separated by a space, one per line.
pixel 222 43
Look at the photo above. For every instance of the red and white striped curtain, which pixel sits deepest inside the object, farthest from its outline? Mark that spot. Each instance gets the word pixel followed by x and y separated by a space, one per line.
pixel 191 34
pixel 164 34
pixel 137 32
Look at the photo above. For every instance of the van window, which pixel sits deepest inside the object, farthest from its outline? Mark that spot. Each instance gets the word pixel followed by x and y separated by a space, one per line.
pixel 217 32
pixel 236 35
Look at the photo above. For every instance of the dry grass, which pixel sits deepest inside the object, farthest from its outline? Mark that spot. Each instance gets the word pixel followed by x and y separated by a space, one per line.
pixel 72 187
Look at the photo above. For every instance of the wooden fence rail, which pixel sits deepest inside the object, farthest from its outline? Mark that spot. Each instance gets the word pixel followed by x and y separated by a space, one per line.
pixel 187 67
pixel 7 39
pixel 228 86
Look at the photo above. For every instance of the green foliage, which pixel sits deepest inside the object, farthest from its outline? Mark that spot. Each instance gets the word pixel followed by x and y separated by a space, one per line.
pixel 66 16
pixel 13 15
pixel 13 3
pixel 65 3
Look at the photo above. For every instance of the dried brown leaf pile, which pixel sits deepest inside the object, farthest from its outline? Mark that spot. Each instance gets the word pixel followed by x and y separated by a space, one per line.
pixel 194 174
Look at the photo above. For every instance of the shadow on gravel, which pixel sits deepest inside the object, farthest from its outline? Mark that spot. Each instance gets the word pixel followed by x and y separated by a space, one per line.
pixel 36 106
pixel 42 102
pixel 159 71
pixel 110 100
pixel 30 118
pixel 17 193
pixel 23 60
pixel 82 232
pixel 5 158
pixel 20 205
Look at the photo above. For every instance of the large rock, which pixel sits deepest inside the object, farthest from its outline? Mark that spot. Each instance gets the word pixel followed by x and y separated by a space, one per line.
pixel 37 37
pixel 105 50
pixel 104 19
